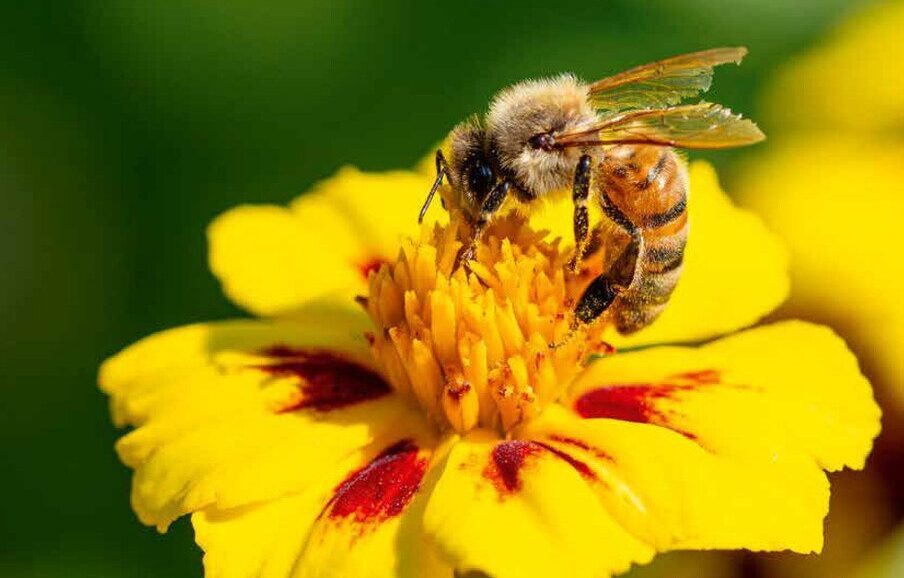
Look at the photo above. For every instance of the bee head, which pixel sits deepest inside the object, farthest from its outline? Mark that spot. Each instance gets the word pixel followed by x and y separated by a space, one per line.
pixel 522 123
pixel 473 171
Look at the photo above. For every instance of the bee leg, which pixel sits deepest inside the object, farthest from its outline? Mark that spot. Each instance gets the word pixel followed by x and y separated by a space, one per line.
pixel 489 207
pixel 442 170
pixel 602 291
pixel 579 192
pixel 598 297
pixel 624 269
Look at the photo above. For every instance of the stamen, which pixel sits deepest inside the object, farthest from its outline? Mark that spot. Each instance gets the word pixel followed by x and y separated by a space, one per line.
pixel 473 347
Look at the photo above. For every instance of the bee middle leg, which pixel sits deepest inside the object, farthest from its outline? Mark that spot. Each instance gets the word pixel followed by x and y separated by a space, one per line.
pixel 618 278
pixel 489 207
pixel 579 192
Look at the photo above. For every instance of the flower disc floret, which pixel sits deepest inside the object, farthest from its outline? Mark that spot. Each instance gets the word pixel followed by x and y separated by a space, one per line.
pixel 474 346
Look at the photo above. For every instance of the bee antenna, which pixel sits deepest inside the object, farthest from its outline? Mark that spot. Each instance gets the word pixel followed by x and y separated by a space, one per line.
pixel 442 170
pixel 436 184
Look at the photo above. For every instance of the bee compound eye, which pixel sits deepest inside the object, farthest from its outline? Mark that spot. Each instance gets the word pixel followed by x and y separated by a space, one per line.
pixel 480 178
pixel 543 141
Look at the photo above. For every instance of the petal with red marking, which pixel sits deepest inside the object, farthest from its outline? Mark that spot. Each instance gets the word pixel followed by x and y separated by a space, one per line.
pixel 372 525
pixel 517 509
pixel 791 387
pixel 363 523
pixel 671 493
pixel 231 413
pixel 719 446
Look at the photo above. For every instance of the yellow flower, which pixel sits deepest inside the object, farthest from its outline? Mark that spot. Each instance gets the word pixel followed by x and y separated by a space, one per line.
pixel 851 82
pixel 433 430
pixel 830 184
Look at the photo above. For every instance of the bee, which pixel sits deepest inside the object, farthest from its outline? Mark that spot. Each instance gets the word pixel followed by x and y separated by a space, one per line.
pixel 614 138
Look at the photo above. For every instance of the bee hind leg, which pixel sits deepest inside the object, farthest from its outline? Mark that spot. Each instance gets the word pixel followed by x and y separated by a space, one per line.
pixel 579 192
pixel 442 171
pixel 602 291
pixel 489 207
pixel 598 297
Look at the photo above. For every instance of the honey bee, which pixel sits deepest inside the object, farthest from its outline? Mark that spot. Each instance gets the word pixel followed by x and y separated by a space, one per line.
pixel 615 138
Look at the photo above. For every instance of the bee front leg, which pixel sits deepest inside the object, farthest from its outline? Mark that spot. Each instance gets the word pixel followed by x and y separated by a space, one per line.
pixel 489 207
pixel 442 170
pixel 579 192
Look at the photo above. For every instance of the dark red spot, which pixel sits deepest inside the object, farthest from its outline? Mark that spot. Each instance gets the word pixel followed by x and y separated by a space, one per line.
pixel 509 458
pixel 371 265
pixel 281 350
pixel 639 402
pixel 383 488
pixel 605 348
pixel 581 444
pixel 506 461
pixel 635 403
pixel 575 463
pixel 457 390
pixel 326 380
pixel 702 377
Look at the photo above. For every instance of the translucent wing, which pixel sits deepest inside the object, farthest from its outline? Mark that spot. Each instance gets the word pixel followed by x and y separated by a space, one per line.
pixel 662 83
pixel 697 126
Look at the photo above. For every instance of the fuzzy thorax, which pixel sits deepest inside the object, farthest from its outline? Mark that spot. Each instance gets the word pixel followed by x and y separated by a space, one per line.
pixel 473 348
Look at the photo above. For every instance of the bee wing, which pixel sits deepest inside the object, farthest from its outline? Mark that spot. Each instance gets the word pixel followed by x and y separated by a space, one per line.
pixel 662 83
pixel 697 126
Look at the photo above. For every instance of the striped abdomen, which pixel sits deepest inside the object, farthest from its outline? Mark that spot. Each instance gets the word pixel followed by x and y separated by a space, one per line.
pixel 649 185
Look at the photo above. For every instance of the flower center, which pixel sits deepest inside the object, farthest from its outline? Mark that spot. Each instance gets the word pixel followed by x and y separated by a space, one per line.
pixel 473 346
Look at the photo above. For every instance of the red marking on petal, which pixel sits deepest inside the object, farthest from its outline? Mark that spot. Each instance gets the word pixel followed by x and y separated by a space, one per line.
pixel 280 350
pixel 509 458
pixel 637 402
pixel 506 461
pixel 581 444
pixel 572 461
pixel 371 266
pixel 625 402
pixel 702 377
pixel 383 488
pixel 326 380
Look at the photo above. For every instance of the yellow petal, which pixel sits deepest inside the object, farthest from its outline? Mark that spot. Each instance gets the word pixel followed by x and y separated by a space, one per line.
pixel 274 261
pixel 259 540
pixel 372 528
pixel 365 523
pixel 515 510
pixel 673 494
pixel 781 390
pixel 851 81
pixel 147 368
pixel 735 270
pixel 237 412
pixel 720 446
pixel 838 206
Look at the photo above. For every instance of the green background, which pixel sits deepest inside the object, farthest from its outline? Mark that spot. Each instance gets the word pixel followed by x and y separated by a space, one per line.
pixel 126 126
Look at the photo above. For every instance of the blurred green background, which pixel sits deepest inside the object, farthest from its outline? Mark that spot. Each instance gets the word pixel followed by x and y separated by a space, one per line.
pixel 126 126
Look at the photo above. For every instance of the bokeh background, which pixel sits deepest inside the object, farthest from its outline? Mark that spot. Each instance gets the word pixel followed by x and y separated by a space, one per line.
pixel 127 125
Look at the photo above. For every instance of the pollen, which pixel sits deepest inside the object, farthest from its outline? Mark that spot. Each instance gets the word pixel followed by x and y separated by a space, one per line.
pixel 484 345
